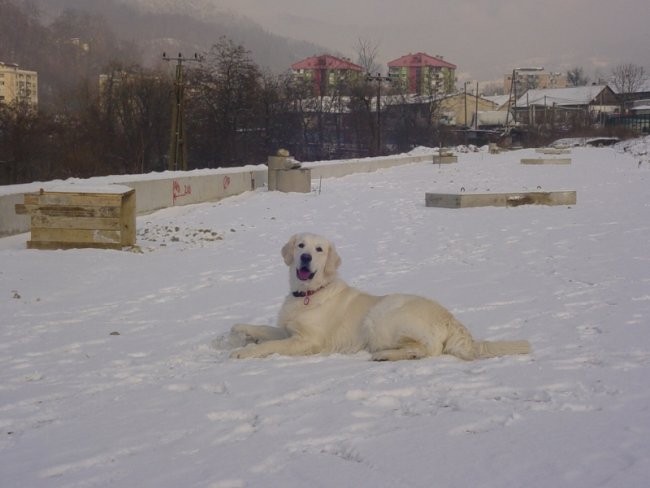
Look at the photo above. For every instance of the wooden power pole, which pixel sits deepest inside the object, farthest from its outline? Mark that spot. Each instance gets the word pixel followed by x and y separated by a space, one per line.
pixel 177 150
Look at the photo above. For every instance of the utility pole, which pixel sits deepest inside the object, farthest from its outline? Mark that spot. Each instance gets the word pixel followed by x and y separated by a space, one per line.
pixel 513 85
pixel 177 150
pixel 465 120
pixel 379 79
pixel 476 109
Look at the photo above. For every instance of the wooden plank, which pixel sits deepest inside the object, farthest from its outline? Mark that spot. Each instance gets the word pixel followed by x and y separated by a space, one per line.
pixel 74 199
pixel 20 209
pixel 127 220
pixel 466 200
pixel 75 222
pixel 80 236
pixel 73 211
pixel 51 245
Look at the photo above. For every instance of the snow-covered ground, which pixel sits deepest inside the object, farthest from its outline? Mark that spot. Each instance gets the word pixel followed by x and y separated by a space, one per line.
pixel 114 367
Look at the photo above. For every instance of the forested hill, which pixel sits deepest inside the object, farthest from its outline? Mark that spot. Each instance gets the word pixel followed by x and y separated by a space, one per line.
pixel 153 31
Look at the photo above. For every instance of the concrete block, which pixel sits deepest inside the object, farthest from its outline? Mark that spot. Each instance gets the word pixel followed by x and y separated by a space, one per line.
pixel 552 150
pixel 465 200
pixel 546 161
pixel 445 159
pixel 290 180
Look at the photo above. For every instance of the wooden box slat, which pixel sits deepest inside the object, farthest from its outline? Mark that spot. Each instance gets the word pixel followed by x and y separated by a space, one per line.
pixel 46 221
pixel 80 236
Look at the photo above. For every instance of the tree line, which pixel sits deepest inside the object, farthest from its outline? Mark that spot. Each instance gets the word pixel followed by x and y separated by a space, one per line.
pixel 235 112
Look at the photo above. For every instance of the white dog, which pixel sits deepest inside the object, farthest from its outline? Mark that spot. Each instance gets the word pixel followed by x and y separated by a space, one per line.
pixel 322 315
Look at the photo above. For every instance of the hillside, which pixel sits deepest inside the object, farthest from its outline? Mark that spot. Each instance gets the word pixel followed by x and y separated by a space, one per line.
pixel 155 27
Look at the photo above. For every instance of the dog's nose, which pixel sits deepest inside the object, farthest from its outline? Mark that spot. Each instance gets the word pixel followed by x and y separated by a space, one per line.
pixel 305 258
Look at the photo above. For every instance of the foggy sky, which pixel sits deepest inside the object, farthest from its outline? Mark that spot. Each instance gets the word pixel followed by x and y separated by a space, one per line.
pixel 484 38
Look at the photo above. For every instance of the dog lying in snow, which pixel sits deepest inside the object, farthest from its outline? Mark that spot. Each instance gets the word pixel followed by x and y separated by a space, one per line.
pixel 322 315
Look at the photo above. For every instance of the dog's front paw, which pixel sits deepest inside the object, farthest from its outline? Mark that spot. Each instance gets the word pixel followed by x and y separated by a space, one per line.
pixel 243 334
pixel 239 328
pixel 250 351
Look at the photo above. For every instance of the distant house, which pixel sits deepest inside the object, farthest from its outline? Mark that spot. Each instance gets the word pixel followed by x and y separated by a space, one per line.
pixel 325 72
pixel 18 85
pixel 422 74
pixel 636 110
pixel 585 103
pixel 461 108
pixel 500 101
pixel 631 100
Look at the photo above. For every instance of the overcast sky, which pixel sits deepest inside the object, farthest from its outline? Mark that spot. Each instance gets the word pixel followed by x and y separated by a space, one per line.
pixel 484 38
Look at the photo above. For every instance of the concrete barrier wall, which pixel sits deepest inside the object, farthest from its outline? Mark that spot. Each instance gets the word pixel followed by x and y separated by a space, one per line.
pixel 336 169
pixel 185 188
pixel 10 223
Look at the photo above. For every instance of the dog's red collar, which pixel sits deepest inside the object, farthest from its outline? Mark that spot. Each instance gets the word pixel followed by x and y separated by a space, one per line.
pixel 306 294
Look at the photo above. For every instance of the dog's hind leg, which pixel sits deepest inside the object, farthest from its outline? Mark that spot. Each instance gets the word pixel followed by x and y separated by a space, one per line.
pixel 407 350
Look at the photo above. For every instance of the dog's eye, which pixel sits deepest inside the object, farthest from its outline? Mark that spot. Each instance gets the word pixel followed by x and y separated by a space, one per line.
pixel 301 245
pixel 319 249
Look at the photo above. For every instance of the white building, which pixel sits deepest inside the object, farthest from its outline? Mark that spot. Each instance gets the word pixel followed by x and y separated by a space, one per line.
pixel 18 85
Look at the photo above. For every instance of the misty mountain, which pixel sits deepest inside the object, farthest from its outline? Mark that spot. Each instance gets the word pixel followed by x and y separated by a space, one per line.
pixel 186 26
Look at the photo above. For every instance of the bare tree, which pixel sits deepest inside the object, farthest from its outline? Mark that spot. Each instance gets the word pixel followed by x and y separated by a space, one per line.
pixel 493 88
pixel 576 76
pixel 628 78
pixel 225 108
pixel 367 55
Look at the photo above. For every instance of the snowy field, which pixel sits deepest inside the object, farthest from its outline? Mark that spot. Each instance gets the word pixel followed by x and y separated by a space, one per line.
pixel 115 369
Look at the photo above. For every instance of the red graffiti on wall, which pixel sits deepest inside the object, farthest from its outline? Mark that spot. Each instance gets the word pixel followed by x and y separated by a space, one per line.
pixel 226 182
pixel 179 190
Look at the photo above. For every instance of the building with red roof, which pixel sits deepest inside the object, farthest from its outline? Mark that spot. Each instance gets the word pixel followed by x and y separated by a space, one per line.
pixel 325 72
pixel 422 74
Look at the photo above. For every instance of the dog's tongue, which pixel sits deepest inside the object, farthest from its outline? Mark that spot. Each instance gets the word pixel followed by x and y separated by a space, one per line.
pixel 304 274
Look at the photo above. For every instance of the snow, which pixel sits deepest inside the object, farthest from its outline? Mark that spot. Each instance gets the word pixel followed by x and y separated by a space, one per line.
pixel 115 369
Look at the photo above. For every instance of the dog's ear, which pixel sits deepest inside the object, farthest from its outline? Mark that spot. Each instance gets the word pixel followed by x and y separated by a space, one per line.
pixel 333 261
pixel 287 250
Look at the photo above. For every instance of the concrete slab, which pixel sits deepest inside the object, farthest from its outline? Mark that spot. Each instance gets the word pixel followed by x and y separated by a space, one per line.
pixel 552 150
pixel 546 161
pixel 515 199
pixel 445 159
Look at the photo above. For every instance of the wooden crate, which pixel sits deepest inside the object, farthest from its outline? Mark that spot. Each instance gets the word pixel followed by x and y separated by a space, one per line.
pixel 99 217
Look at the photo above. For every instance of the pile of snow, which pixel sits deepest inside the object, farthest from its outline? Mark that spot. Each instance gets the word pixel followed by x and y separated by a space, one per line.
pixel 639 148
pixel 115 369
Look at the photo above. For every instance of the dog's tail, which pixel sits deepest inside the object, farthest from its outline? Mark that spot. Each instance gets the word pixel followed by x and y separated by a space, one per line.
pixel 491 349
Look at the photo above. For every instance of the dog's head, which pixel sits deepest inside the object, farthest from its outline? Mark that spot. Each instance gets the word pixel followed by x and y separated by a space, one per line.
pixel 312 262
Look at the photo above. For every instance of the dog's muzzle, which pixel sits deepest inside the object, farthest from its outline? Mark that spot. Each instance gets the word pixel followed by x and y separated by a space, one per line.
pixel 304 272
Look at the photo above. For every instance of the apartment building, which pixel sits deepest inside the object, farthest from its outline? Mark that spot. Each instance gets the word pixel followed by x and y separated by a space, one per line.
pixel 325 72
pixel 422 74
pixel 18 85
pixel 534 80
